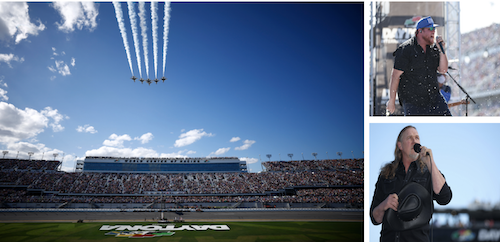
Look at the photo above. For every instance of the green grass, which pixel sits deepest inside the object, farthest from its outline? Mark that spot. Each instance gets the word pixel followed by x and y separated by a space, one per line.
pixel 240 231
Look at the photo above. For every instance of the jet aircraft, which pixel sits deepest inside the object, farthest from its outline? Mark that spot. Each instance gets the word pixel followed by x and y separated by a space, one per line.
pixel 142 80
pixel 148 81
pixel 156 80
pixel 133 78
pixel 163 78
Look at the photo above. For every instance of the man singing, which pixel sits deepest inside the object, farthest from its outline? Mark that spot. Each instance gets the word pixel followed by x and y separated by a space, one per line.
pixel 414 75
pixel 408 168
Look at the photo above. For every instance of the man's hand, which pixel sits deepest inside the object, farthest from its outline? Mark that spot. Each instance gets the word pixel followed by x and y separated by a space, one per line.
pixel 424 157
pixel 392 201
pixel 439 40
pixel 391 106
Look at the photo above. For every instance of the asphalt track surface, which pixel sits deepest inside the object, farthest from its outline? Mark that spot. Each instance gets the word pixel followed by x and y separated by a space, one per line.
pixel 212 216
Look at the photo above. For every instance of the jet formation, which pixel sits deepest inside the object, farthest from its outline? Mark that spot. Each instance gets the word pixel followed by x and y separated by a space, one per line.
pixel 149 81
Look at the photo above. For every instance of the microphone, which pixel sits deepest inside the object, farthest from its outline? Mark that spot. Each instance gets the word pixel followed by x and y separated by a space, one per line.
pixel 417 148
pixel 441 45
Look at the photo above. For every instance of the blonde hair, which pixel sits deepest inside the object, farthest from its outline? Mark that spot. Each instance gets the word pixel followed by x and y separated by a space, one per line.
pixel 389 169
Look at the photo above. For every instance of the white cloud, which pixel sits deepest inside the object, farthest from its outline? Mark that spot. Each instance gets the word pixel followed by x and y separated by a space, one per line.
pixel 76 15
pixel 7 58
pixel 52 69
pixel 190 137
pixel 116 141
pixel 87 129
pixel 40 151
pixel 122 152
pixel 249 160
pixel 62 68
pixel 2 83
pixel 57 117
pixel 234 139
pixel 145 138
pixel 17 124
pixel 137 152
pixel 3 95
pixel 178 154
pixel 190 152
pixel 15 22
pixel 69 163
pixel 246 144
pixel 25 147
pixel 220 151
pixel 73 61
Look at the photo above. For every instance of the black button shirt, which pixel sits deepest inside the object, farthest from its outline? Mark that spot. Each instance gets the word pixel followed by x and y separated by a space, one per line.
pixel 418 84
pixel 384 187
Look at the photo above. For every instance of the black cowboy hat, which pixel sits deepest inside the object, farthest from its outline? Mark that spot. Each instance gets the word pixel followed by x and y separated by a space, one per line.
pixel 414 209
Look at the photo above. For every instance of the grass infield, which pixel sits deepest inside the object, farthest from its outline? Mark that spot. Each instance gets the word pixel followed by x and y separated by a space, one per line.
pixel 239 231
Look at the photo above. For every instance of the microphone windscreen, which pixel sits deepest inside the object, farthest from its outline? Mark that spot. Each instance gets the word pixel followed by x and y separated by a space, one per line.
pixel 417 148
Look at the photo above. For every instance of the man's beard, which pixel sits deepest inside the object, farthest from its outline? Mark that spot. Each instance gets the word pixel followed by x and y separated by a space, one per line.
pixel 414 156
pixel 430 41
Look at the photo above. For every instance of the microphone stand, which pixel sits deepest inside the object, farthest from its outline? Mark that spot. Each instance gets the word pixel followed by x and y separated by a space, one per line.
pixel 463 90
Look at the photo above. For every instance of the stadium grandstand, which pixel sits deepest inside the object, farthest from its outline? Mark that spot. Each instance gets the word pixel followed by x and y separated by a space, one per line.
pixel 480 69
pixel 282 184
pixel 161 165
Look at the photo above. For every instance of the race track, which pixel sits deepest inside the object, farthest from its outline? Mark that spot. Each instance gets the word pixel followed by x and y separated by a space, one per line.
pixel 207 216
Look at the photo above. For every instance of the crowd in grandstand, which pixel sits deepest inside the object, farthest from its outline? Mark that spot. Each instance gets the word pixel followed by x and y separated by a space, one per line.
pixel 195 183
pixel 304 165
pixel 319 177
pixel 480 72
pixel 15 164
pixel 320 195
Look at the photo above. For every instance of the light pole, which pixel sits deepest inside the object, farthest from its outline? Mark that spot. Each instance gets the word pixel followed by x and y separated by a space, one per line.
pixel 327 155
pixel 302 155
pixel 4 153
pixel 30 154
pixel 290 155
pixel 339 154
pixel 269 156
pixel 55 155
pixel 314 154
pixel 352 152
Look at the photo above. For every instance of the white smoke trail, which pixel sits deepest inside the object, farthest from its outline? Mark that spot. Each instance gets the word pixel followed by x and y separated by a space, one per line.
pixel 154 22
pixel 123 31
pixel 144 28
pixel 133 23
pixel 166 19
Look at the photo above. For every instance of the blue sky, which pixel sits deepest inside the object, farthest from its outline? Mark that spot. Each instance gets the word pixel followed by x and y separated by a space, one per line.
pixel 244 80
pixel 464 152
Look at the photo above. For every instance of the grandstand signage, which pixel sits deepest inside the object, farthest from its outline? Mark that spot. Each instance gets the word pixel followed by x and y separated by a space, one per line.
pixel 482 234
pixel 397 35
pixel 489 235
pixel 150 231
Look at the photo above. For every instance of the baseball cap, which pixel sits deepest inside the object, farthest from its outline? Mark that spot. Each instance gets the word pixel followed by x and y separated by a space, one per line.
pixel 426 23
